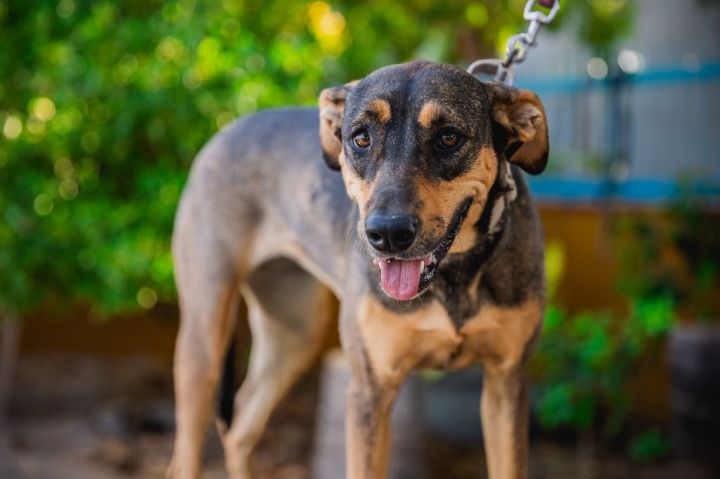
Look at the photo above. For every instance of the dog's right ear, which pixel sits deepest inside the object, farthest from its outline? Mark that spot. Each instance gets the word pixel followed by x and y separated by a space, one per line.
pixel 332 108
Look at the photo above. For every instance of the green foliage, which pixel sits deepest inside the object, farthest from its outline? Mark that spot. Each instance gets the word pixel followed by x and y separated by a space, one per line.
pixel 585 361
pixel 675 255
pixel 669 265
pixel 602 22
pixel 648 446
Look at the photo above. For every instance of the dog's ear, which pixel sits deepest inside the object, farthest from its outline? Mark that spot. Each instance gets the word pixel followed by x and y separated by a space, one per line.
pixel 520 130
pixel 332 108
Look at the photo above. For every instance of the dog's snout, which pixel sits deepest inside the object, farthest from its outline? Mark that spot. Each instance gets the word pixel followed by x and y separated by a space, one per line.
pixel 390 233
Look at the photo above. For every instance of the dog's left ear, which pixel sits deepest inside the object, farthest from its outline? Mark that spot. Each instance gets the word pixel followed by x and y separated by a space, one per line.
pixel 520 130
pixel 332 109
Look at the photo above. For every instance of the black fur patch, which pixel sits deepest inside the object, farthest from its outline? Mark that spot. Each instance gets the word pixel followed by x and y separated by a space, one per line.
pixel 402 144
pixel 228 387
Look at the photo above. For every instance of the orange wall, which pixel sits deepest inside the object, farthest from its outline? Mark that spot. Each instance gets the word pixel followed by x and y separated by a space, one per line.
pixel 76 331
pixel 588 280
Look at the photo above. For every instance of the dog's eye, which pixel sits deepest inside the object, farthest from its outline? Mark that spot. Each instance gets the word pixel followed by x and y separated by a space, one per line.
pixel 361 139
pixel 448 140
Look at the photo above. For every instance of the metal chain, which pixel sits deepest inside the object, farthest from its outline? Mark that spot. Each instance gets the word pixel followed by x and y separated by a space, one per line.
pixel 517 46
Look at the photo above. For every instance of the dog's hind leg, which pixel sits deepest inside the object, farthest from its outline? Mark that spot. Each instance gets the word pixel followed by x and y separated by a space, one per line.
pixel 207 280
pixel 207 320
pixel 205 326
pixel 289 313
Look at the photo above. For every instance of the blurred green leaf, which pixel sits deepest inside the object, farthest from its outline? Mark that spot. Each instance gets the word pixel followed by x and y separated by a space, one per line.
pixel 649 446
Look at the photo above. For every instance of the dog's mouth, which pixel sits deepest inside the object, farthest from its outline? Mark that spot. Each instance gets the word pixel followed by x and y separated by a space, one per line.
pixel 403 279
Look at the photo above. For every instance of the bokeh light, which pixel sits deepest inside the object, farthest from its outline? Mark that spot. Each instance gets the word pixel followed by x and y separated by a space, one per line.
pixel 328 26
pixel 631 61
pixel 147 297
pixel 12 127
pixel 43 204
pixel 43 109
pixel 597 68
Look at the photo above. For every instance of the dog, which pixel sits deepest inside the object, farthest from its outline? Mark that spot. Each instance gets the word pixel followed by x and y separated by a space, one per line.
pixel 418 220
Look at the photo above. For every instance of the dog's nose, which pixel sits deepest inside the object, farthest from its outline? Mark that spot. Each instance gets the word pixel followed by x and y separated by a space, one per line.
pixel 390 233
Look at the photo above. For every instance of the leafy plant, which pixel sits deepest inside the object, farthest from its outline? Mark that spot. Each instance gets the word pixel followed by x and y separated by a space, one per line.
pixel 675 254
pixel 649 445
pixel 669 263
pixel 584 362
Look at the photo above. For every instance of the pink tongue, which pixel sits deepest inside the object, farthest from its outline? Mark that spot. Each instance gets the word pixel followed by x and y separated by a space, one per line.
pixel 400 278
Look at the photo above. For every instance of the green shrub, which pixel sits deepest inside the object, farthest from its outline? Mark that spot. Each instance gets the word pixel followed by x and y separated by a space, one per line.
pixel 584 362
pixel 103 106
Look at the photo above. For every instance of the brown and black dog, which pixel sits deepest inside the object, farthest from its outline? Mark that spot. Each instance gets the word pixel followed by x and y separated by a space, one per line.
pixel 427 236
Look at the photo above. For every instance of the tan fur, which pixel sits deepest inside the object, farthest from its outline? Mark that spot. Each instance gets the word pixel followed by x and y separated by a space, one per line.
pixel 198 355
pixel 429 338
pixel 429 113
pixel 399 342
pixel 332 108
pixel 331 111
pixel 273 241
pixel 498 337
pixel 358 190
pixel 502 335
pixel 368 444
pixel 504 410
pixel 441 200
pixel 523 116
pixel 505 336
pixel 381 109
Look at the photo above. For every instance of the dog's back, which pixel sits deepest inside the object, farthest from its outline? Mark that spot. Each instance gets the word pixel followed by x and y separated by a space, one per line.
pixel 266 171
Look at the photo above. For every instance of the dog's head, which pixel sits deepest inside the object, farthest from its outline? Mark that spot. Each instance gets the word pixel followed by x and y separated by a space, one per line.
pixel 418 145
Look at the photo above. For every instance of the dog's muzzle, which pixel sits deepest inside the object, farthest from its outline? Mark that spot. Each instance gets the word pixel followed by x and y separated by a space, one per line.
pixel 403 279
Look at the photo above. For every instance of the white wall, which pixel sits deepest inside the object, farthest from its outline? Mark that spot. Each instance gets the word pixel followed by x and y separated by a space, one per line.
pixel 674 124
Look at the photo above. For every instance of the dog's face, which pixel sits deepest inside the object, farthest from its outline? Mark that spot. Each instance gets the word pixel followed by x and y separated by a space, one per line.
pixel 418 146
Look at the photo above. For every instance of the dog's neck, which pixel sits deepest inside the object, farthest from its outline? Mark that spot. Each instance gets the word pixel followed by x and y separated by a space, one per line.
pixel 453 282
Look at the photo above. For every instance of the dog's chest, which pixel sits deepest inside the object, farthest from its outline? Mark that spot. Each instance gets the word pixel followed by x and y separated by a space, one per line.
pixel 438 342
pixel 397 343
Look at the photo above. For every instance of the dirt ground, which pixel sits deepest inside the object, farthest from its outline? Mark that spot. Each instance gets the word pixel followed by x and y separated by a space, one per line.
pixel 87 417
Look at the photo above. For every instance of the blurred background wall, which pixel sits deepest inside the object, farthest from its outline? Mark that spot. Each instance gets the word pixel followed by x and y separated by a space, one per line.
pixel 639 117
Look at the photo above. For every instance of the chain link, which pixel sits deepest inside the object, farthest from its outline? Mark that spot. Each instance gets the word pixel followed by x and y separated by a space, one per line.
pixel 517 46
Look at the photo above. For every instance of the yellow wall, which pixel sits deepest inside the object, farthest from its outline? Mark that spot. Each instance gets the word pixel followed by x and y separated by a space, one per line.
pixel 588 280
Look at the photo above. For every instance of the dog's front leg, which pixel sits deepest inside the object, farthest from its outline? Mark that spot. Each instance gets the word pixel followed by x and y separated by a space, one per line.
pixel 504 403
pixel 504 412
pixel 367 436
pixel 374 342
